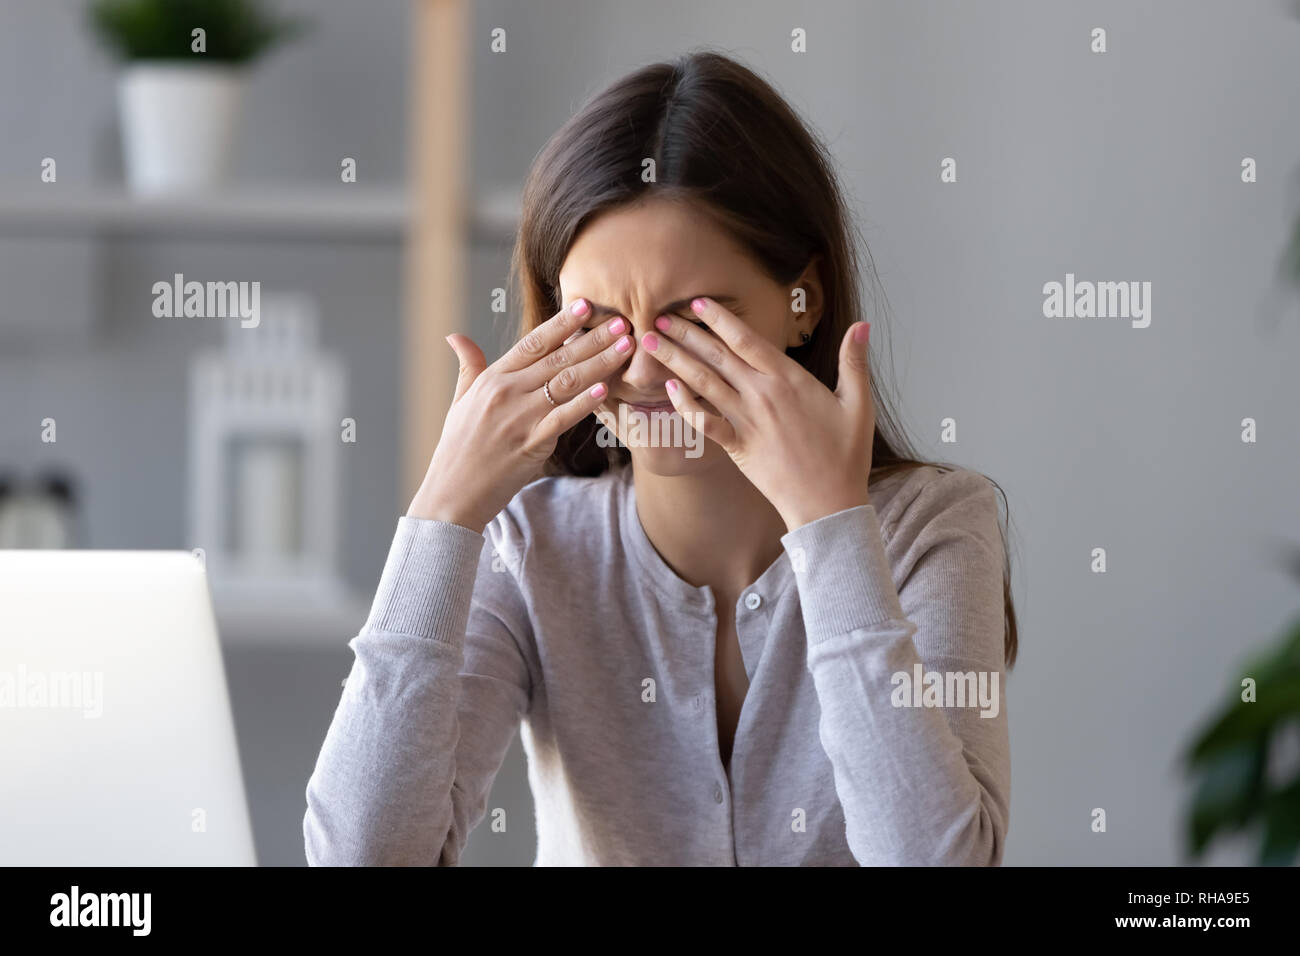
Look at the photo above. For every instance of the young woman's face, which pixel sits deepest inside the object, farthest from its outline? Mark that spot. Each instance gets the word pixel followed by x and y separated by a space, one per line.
pixel 650 259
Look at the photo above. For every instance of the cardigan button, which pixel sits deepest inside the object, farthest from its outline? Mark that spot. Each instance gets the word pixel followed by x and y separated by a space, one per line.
pixel 753 601
pixel 717 793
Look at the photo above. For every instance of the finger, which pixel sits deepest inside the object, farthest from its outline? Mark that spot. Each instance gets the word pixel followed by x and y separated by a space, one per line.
pixel 572 379
pixel 754 350
pixel 546 337
pixel 854 385
pixel 577 349
pixel 693 372
pixel 471 359
pixel 567 414
pixel 709 348
pixel 694 416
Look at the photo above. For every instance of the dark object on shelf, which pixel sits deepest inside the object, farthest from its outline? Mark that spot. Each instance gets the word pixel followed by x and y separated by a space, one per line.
pixel 39 514
pixel 59 486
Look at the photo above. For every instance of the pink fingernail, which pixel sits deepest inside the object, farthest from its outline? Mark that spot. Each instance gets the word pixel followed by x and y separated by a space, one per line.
pixel 579 307
pixel 598 390
pixel 623 344
pixel 671 385
pixel 617 326
pixel 861 332
pixel 663 323
pixel 650 342
pixel 698 306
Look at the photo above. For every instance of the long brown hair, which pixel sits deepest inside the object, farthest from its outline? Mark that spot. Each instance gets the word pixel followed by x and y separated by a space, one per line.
pixel 724 140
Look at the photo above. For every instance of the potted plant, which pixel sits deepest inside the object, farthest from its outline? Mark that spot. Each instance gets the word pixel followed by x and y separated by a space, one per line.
pixel 1245 783
pixel 180 91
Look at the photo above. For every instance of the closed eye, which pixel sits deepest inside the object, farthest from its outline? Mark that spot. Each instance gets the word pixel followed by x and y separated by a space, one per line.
pixel 685 318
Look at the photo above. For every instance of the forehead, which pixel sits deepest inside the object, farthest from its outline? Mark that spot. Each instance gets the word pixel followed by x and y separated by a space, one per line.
pixel 651 246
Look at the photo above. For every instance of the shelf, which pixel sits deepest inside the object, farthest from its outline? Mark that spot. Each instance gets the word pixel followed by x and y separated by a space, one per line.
pixel 336 213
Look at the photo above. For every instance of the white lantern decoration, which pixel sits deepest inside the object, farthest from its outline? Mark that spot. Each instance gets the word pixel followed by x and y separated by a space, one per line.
pixel 265 489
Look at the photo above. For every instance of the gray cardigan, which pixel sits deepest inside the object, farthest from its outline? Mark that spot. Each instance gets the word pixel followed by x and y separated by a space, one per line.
pixel 874 730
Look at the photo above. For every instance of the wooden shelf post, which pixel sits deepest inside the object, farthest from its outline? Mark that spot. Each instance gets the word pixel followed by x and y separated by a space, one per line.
pixel 435 260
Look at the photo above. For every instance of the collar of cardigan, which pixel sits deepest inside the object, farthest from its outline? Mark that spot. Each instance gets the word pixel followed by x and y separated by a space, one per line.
pixel 771 584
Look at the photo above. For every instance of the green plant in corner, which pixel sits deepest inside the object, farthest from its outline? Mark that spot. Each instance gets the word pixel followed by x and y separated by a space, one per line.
pixel 236 31
pixel 1235 754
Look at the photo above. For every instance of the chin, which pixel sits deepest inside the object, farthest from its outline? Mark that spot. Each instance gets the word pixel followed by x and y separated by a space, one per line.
pixel 673 462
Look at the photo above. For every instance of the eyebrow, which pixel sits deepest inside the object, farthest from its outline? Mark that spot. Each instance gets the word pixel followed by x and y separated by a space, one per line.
pixel 726 301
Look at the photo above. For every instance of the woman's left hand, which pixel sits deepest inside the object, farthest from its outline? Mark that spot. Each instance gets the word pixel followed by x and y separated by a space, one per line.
pixel 806 448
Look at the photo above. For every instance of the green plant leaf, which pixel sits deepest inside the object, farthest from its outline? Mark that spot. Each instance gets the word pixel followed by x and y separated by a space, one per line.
pixel 1281 814
pixel 1230 754
pixel 237 31
pixel 1277 699
pixel 1229 793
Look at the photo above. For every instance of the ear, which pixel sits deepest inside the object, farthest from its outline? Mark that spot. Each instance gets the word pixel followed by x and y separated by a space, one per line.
pixel 807 302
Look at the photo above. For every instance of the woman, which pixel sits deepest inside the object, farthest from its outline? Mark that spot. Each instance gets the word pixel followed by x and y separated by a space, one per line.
pixel 781 644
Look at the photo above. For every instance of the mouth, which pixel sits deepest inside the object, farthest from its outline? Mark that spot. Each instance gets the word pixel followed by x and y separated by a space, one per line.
pixel 649 407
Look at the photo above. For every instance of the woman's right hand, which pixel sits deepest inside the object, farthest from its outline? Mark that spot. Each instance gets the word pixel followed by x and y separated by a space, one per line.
pixel 501 429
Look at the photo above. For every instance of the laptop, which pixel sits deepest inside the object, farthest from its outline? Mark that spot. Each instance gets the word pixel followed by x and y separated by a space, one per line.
pixel 117 743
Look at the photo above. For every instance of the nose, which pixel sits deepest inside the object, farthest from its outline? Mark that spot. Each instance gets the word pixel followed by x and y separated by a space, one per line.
pixel 643 373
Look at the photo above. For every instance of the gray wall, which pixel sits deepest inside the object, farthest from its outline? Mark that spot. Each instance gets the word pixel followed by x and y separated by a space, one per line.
pixel 1122 166
pixel 1115 166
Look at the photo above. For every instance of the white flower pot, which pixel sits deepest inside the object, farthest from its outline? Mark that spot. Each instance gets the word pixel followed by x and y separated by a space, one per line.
pixel 178 123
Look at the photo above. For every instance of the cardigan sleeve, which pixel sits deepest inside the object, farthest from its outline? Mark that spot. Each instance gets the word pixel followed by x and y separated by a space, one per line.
pixel 441 678
pixel 905 645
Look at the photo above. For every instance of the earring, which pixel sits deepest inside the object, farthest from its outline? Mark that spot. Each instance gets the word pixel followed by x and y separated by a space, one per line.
pixel 804 337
